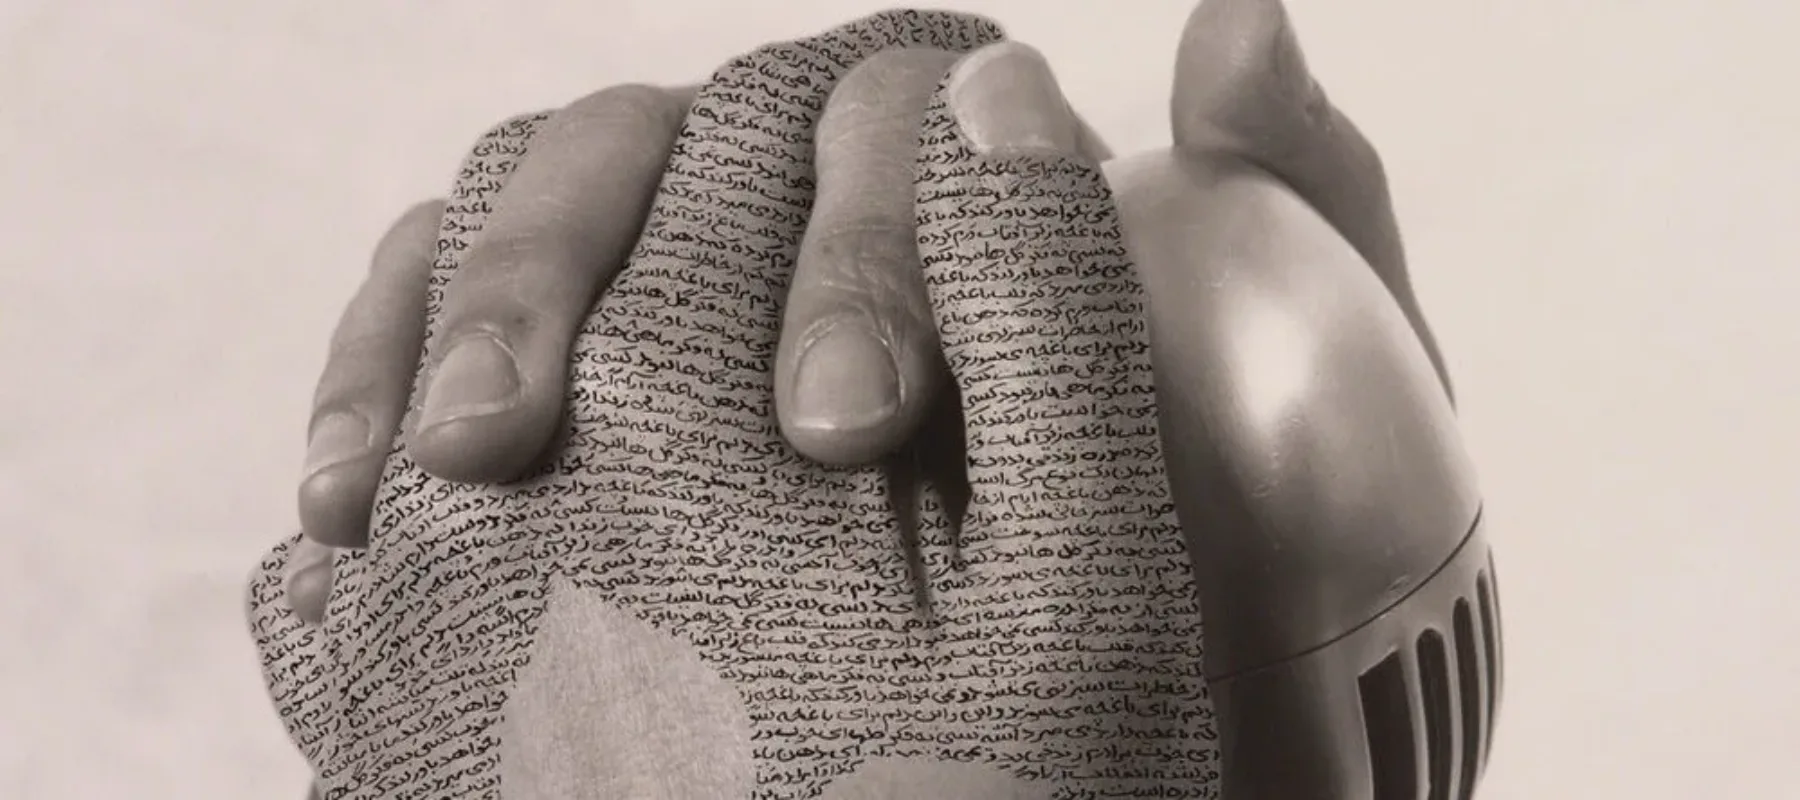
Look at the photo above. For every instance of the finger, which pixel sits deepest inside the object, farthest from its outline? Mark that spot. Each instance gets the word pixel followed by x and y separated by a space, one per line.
pixel 362 392
pixel 283 638
pixel 855 237
pixel 1032 287
pixel 1242 87
pixel 859 364
pixel 998 150
pixel 1045 327
pixel 560 229
pixel 307 580
pixel 858 361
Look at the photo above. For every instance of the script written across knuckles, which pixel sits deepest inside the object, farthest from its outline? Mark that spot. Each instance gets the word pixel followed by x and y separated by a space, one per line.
pixel 1074 555
pixel 682 607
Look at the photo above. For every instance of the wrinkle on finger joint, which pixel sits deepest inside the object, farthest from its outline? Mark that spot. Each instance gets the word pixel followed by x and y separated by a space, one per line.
pixel 626 109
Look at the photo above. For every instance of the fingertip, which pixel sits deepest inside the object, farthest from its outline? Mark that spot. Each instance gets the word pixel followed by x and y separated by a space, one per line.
pixel 492 402
pixel 853 399
pixel 308 595
pixel 847 447
pixel 1005 97
pixel 335 502
pixel 487 449
pixel 417 226
pixel 845 379
pixel 307 583
pixel 479 377
pixel 857 346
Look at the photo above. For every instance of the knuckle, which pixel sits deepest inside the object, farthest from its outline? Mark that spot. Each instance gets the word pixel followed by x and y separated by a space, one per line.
pixel 353 394
pixel 379 317
pixel 516 260
pixel 495 314
pixel 366 355
pixel 895 72
pixel 516 128
pixel 354 345
pixel 871 262
pixel 424 215
pixel 870 123
pixel 891 85
pixel 352 387
pixel 865 192
pixel 513 126
pixel 409 244
pixel 629 108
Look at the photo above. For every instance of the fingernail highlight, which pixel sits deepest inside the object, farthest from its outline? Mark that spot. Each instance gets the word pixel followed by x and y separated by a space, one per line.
pixel 339 437
pixel 846 380
pixel 478 377
pixel 1004 96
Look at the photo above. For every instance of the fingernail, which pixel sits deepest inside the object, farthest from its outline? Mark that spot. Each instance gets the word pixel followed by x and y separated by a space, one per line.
pixel 478 377
pixel 335 439
pixel 846 380
pixel 1004 96
pixel 308 582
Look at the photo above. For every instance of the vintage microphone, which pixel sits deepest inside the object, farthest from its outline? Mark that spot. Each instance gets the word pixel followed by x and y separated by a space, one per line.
pixel 1351 619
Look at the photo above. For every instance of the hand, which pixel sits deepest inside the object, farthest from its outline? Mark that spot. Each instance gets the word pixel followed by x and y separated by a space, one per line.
pixel 562 226
pixel 480 637
pixel 1009 69
pixel 564 223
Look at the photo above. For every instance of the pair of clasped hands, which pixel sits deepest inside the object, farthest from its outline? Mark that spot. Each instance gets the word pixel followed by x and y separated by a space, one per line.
pixel 1264 173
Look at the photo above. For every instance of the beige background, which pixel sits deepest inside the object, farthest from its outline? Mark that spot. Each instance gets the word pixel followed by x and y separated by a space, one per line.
pixel 1598 197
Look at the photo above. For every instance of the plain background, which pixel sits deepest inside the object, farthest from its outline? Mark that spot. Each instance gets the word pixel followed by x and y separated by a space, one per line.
pixel 1598 196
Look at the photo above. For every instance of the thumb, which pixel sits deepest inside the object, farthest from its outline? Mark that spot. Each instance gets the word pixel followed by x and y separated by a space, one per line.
pixel 1243 89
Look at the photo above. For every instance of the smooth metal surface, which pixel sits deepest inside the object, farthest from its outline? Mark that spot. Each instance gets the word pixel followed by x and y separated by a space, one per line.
pixel 1306 428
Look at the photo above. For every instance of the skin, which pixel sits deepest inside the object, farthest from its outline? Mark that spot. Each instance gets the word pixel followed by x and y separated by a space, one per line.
pixel 859 363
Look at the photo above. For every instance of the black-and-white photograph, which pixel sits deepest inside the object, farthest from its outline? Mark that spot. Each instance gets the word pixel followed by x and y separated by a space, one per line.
pixel 805 400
